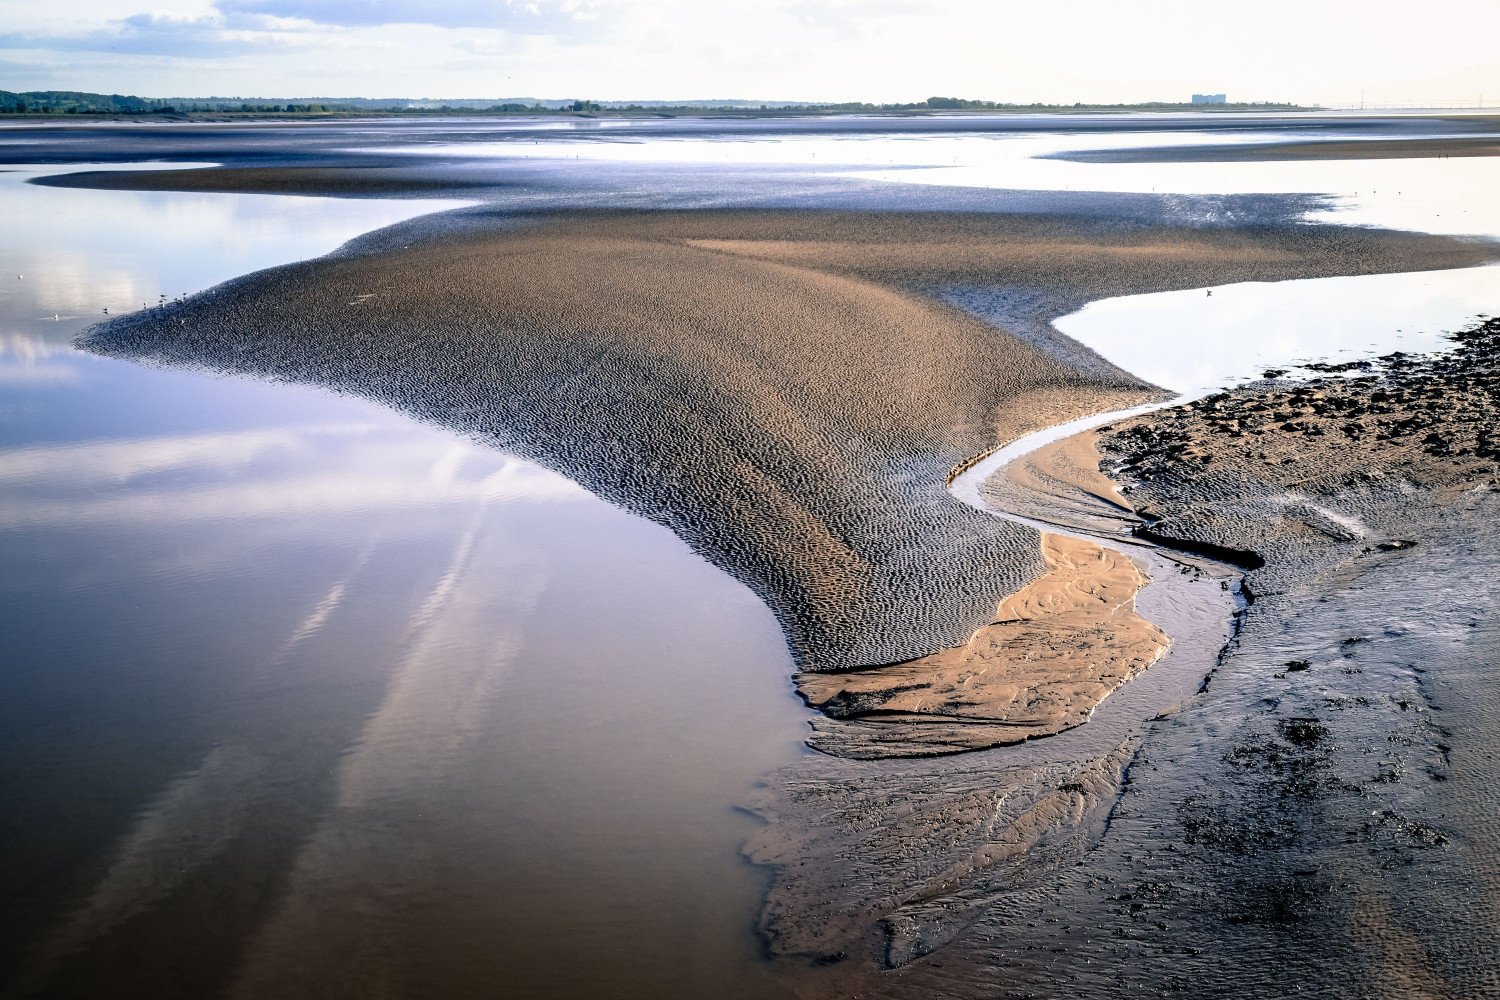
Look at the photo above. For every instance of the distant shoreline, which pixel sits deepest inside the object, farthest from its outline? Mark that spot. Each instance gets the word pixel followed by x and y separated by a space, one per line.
pixel 71 105
pixel 628 115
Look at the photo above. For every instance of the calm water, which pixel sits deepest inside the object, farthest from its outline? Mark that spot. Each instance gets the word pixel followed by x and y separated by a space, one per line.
pixel 1454 196
pixel 305 697
pixel 1192 340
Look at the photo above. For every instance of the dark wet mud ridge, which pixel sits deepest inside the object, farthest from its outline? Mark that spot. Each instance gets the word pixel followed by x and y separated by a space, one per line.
pixel 1240 558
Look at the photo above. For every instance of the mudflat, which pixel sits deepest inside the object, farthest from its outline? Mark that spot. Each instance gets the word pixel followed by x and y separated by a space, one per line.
pixel 790 391
pixel 1322 807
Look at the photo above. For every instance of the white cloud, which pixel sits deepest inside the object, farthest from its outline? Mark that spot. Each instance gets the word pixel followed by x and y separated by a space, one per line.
pixel 531 17
pixel 181 36
pixel 1084 50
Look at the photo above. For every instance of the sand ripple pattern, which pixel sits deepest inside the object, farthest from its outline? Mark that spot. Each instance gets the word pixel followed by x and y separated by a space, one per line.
pixel 775 387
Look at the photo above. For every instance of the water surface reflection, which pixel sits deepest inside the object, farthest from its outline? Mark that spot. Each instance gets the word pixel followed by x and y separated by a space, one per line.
pixel 299 696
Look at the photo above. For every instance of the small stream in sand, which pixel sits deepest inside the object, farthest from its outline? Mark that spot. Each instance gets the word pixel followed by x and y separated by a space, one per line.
pixel 1199 340
pixel 1195 341
pixel 1193 600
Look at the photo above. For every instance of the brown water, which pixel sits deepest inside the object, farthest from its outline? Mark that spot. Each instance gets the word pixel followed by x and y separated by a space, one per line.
pixel 298 697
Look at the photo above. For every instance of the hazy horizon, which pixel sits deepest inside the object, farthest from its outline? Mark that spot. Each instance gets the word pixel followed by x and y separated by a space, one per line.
pixel 806 51
pixel 608 102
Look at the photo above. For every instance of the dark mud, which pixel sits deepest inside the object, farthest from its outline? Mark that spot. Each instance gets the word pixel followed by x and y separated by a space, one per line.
pixel 772 386
pixel 1266 470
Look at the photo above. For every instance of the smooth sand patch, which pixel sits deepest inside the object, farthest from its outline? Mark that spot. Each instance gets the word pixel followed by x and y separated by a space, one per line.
pixel 1056 648
pixel 1061 483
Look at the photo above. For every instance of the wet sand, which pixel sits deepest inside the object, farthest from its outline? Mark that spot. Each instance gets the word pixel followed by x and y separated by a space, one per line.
pixel 1061 483
pixel 1057 647
pixel 789 390
pixel 1321 808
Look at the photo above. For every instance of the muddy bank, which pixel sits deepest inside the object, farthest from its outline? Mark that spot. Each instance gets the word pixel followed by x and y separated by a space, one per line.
pixel 1272 468
pixel 1322 810
pixel 773 386
pixel 1332 149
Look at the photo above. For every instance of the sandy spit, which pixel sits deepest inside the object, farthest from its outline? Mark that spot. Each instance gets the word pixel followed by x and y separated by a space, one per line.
pixel 772 386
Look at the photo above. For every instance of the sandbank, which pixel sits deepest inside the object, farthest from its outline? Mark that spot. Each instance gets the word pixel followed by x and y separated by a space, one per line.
pixel 783 389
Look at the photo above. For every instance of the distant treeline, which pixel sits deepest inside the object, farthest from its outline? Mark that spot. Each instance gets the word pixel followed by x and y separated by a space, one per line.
pixel 68 102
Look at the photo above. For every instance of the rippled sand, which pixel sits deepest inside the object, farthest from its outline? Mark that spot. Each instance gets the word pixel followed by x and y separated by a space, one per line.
pixel 775 387
pixel 785 390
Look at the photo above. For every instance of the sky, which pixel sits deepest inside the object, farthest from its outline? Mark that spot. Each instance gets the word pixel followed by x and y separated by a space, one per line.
pixel 1304 51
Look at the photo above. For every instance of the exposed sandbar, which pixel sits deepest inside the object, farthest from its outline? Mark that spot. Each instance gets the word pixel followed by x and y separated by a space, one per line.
pixel 370 180
pixel 772 386
pixel 1322 809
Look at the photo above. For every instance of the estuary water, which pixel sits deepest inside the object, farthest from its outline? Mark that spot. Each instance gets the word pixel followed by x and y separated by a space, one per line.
pixel 319 701
pixel 301 697
pixel 1202 339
